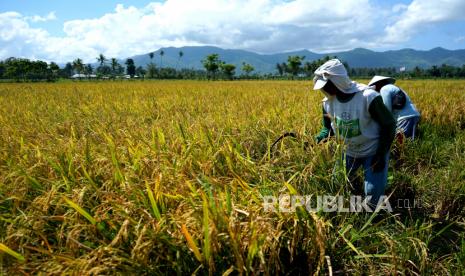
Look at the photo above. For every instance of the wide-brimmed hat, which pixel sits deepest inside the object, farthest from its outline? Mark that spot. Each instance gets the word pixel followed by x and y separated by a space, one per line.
pixel 335 71
pixel 376 79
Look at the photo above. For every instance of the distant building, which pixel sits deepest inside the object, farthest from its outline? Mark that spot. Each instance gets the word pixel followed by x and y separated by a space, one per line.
pixel 129 76
pixel 83 76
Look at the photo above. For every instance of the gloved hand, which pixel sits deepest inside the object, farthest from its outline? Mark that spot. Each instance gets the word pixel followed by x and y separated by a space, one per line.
pixel 377 163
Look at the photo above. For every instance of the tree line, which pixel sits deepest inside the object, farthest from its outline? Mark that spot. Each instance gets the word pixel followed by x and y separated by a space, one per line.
pixel 21 69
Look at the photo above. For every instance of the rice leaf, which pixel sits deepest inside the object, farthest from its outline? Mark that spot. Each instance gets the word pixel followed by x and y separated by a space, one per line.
pixel 153 203
pixel 206 230
pixel 80 210
pixel 11 252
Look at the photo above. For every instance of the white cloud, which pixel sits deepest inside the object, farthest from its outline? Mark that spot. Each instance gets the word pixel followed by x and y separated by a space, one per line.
pixel 259 25
pixel 421 14
pixel 17 38
pixel 37 18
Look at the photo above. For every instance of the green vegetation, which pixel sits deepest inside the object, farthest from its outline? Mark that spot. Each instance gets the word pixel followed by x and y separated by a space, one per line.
pixel 19 69
pixel 295 68
pixel 213 64
pixel 168 177
pixel 247 69
pixel 130 67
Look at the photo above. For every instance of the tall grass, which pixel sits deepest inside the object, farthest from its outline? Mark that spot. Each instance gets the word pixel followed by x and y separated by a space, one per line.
pixel 168 177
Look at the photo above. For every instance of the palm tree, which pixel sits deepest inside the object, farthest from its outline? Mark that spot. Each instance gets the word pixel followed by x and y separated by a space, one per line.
pixel 180 55
pixel 78 66
pixel 151 66
pixel 280 69
pixel 162 53
pixel 101 58
pixel 114 65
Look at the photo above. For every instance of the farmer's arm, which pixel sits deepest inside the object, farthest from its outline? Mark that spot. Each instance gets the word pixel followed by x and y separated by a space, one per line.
pixel 325 131
pixel 384 118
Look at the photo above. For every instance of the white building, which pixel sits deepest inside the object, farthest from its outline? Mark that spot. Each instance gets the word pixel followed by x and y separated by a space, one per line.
pixel 83 76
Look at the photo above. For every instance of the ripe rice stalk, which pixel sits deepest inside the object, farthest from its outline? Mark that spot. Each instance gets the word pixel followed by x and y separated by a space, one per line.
pixel 191 243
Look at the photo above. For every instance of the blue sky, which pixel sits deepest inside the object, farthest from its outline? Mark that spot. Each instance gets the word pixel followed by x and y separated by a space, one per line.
pixel 65 10
pixel 63 30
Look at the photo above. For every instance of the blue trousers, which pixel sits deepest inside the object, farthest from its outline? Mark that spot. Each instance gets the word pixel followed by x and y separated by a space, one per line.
pixel 374 182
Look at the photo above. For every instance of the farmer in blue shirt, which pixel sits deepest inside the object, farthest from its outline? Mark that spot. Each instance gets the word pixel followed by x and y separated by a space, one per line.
pixel 398 102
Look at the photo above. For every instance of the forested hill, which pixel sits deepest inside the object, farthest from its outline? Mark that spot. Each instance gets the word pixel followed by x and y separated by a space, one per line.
pixel 266 63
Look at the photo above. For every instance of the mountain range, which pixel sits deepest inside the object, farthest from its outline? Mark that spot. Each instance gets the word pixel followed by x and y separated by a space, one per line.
pixel 266 63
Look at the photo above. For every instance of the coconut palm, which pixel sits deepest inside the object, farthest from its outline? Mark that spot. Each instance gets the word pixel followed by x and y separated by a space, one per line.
pixel 78 65
pixel 101 58
pixel 151 67
pixel 114 66
pixel 162 53
pixel 180 55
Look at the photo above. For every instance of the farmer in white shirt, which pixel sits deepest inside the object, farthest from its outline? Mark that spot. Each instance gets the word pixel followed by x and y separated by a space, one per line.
pixel 398 102
pixel 356 114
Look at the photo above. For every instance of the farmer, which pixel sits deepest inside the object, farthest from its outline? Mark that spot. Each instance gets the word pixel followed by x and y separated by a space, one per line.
pixel 357 115
pixel 399 103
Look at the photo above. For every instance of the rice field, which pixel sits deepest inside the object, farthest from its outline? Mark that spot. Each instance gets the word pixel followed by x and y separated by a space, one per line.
pixel 168 177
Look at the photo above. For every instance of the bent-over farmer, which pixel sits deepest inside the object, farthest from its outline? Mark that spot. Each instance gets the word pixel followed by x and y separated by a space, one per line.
pixel 398 102
pixel 356 114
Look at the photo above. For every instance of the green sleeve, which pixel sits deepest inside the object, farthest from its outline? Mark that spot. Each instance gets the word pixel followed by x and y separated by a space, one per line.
pixel 326 130
pixel 384 118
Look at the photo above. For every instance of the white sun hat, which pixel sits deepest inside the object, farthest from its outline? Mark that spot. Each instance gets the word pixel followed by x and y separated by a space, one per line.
pixel 376 79
pixel 335 71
